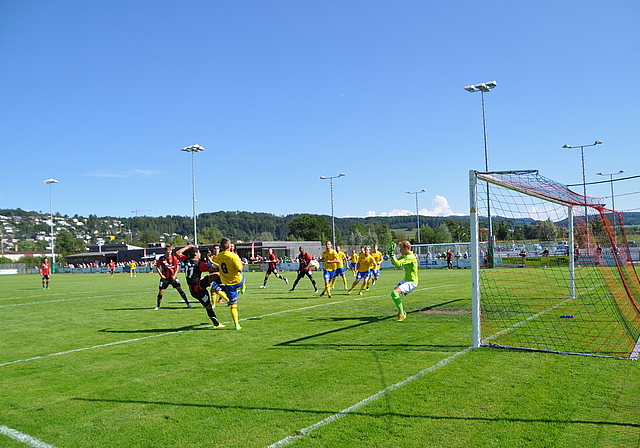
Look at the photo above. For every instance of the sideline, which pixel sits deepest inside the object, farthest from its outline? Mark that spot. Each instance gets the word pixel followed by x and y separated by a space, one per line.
pixel 206 326
pixel 306 431
pixel 24 438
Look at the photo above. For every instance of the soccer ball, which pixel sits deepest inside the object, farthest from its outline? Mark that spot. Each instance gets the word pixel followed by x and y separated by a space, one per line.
pixel 314 264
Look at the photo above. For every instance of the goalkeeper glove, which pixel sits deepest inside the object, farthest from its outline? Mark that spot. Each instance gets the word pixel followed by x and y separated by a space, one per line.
pixel 391 248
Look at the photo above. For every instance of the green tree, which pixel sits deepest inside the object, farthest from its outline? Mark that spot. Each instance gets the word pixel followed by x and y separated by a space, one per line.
pixel 35 246
pixel 547 230
pixel 310 228
pixel 443 235
pixel 502 231
pixel 355 238
pixel 427 235
pixel 149 235
pixel 5 260
pixel 177 241
pixel 66 244
pixel 210 235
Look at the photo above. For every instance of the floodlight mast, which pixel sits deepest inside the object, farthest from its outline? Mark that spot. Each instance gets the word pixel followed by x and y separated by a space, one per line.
pixel 193 149
pixel 483 88
pixel 584 182
pixel 53 253
pixel 333 219
pixel 613 202
pixel 417 209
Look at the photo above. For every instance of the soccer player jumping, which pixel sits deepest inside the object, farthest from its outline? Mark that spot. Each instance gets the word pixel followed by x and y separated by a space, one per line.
pixel 409 262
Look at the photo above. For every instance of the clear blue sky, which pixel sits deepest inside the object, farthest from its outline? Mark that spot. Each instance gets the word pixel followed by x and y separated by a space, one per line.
pixel 101 95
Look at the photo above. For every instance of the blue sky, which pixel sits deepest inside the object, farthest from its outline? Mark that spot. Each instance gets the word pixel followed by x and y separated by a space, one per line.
pixel 102 95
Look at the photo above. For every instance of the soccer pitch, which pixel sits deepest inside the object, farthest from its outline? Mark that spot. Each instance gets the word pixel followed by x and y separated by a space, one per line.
pixel 89 363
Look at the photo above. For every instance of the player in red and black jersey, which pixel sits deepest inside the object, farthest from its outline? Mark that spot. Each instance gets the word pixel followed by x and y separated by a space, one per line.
pixel 193 269
pixel 45 273
pixel 272 268
pixel 167 267
pixel 303 269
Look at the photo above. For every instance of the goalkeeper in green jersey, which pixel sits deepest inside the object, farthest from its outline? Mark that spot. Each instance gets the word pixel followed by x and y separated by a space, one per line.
pixel 409 262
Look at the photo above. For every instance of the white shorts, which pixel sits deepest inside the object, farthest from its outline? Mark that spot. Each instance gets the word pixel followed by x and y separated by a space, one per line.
pixel 406 287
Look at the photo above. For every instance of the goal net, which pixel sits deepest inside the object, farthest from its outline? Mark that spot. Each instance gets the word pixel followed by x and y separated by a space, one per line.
pixel 552 269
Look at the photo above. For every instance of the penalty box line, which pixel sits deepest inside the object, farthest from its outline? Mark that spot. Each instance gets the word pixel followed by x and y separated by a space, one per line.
pixel 23 438
pixel 306 431
pixel 205 326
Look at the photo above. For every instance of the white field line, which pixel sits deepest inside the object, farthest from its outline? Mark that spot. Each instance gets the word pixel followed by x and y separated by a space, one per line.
pixel 23 438
pixel 68 300
pixel 306 431
pixel 61 293
pixel 204 326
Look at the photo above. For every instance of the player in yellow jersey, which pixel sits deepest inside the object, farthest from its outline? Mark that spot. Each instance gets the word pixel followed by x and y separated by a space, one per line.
pixel 342 265
pixel 353 265
pixel 377 255
pixel 365 264
pixel 231 276
pixel 330 259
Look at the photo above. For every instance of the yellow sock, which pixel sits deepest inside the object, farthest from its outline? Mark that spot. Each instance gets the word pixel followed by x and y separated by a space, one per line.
pixel 234 313
pixel 223 295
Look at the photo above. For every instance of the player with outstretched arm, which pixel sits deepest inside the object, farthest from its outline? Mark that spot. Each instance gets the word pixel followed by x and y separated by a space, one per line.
pixel 409 262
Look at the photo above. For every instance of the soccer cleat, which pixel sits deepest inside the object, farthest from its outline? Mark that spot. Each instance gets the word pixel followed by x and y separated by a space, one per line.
pixel 157 308
pixel 219 326
pixel 401 317
pixel 238 327
pixel 349 292
pixel 315 290
pixel 190 306
pixel 286 280
pixel 321 295
pixel 291 290
pixel 262 286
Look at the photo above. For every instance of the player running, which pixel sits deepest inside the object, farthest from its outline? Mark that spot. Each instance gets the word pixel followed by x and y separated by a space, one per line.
pixel 330 259
pixel 168 266
pixel 193 269
pixel 377 255
pixel 272 268
pixel 304 269
pixel 409 262
pixel 341 266
pixel 365 264
pixel 231 276
pixel 353 265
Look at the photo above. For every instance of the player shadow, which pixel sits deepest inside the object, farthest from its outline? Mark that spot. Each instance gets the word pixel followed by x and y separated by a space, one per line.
pixel 303 342
pixel 177 306
pixel 157 330
pixel 467 418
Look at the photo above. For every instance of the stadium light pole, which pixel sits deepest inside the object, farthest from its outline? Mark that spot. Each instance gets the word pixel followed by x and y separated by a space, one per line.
pixel 613 202
pixel 417 209
pixel 584 182
pixel 53 253
pixel 483 88
pixel 333 219
pixel 193 149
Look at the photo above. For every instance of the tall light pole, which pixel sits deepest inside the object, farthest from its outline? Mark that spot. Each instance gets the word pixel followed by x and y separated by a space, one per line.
pixel 417 209
pixel 613 202
pixel 584 183
pixel 53 253
pixel 333 219
pixel 193 149
pixel 483 88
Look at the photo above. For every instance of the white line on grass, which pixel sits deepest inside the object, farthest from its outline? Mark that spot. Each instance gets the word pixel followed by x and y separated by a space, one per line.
pixel 306 431
pixel 24 438
pixel 65 300
pixel 204 326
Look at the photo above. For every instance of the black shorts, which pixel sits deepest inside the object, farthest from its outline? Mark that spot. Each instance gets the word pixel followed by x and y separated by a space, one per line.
pixel 164 283
pixel 199 291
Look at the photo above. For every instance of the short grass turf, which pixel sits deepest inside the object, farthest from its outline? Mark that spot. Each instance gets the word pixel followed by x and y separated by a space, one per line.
pixel 90 363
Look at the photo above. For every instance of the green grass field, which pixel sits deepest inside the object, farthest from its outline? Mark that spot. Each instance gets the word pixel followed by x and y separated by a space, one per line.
pixel 89 363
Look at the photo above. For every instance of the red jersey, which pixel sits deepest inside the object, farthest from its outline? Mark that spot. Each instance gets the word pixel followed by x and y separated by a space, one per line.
pixel 193 269
pixel 45 269
pixel 304 259
pixel 272 262
pixel 169 266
